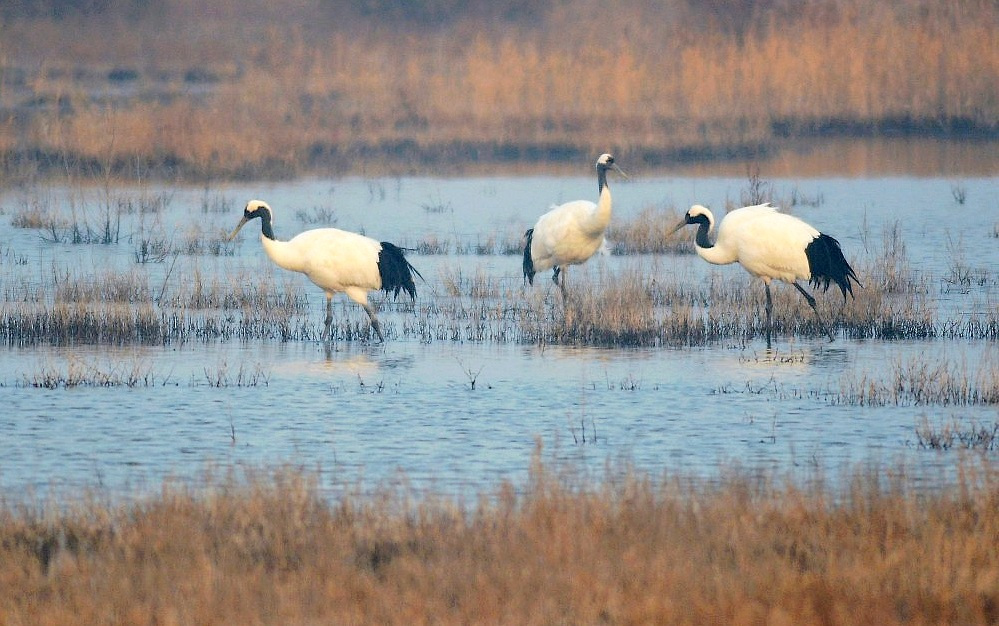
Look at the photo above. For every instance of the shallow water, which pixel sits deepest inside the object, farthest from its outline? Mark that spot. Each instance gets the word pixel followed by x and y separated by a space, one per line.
pixel 408 410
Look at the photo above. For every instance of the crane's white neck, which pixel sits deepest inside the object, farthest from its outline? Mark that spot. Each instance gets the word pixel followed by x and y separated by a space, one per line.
pixel 284 255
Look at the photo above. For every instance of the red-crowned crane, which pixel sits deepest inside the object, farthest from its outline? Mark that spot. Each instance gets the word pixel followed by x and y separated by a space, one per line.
pixel 570 233
pixel 336 261
pixel 773 246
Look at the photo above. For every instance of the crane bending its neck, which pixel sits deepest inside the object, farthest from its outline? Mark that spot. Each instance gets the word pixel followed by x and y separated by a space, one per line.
pixel 266 224
pixel 706 249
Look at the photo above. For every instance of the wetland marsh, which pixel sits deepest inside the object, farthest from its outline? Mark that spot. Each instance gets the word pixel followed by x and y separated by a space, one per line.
pixel 180 448
pixel 139 346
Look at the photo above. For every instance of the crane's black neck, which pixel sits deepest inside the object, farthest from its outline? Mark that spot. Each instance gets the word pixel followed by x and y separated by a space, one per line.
pixel 601 179
pixel 703 226
pixel 266 227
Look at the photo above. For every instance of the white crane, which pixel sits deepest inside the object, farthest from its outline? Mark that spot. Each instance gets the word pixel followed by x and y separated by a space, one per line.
pixel 773 246
pixel 570 233
pixel 336 261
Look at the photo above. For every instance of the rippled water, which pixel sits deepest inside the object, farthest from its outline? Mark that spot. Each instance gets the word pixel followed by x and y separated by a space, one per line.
pixel 362 413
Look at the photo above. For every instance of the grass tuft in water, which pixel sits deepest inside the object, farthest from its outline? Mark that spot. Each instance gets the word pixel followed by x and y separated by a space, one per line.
pixel 924 380
pixel 75 372
pixel 959 434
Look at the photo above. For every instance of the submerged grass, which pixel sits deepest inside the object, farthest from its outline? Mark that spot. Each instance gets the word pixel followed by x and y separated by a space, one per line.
pixel 627 548
pixel 956 433
pixel 647 302
pixel 75 372
pixel 637 305
pixel 925 381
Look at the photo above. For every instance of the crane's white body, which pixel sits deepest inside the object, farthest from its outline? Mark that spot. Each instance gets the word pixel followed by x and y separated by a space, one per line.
pixel 335 260
pixel 570 233
pixel 768 244
pixel 772 246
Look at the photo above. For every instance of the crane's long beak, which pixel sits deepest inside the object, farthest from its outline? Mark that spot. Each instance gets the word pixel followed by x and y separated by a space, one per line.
pixel 232 235
pixel 620 171
pixel 678 227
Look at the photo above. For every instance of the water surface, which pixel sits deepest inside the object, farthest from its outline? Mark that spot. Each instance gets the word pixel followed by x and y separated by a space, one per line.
pixel 370 414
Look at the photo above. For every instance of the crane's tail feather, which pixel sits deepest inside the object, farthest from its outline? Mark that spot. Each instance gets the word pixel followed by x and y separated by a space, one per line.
pixel 528 261
pixel 396 272
pixel 827 264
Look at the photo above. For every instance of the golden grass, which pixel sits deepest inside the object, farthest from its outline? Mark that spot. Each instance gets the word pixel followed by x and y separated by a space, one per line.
pixel 749 549
pixel 239 91
pixel 649 232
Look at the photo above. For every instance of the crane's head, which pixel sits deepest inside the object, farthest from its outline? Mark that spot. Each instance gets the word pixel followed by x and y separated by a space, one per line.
pixel 254 209
pixel 606 162
pixel 699 215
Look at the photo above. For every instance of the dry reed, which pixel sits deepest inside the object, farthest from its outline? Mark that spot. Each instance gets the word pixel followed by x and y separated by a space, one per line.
pixel 166 91
pixel 649 232
pixel 749 548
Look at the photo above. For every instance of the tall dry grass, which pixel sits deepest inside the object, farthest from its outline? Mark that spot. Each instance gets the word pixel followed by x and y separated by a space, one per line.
pixel 238 89
pixel 751 548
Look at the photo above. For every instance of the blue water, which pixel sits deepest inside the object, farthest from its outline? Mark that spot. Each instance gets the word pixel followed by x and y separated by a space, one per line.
pixel 366 415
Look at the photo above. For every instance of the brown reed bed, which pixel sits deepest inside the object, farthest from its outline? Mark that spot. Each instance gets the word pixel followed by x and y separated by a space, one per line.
pixel 130 91
pixel 270 547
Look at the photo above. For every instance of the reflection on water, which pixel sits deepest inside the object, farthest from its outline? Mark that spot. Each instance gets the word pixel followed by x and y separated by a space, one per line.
pixel 459 416
pixel 878 157
pixel 412 408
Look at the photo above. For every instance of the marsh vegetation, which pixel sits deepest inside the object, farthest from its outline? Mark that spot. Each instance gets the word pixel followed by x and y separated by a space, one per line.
pixel 158 378
pixel 134 90
pixel 120 370
pixel 621 548
pixel 175 291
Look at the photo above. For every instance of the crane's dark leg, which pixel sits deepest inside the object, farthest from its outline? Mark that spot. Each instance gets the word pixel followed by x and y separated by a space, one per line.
pixel 770 309
pixel 328 329
pixel 559 279
pixel 811 303
pixel 374 322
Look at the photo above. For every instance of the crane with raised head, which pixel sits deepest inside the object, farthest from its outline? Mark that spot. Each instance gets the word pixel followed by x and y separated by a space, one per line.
pixel 570 233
